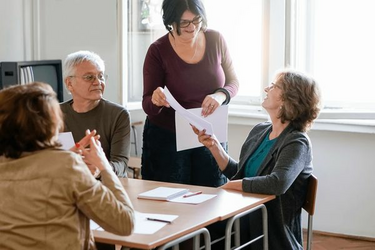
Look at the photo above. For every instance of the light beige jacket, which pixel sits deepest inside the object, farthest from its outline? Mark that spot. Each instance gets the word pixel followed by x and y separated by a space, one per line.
pixel 48 198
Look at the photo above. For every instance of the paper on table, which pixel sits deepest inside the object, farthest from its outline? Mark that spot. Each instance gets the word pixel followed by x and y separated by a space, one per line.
pixel 66 139
pixel 174 195
pixel 142 225
pixel 193 119
pixel 195 199
pixel 163 193
pixel 187 139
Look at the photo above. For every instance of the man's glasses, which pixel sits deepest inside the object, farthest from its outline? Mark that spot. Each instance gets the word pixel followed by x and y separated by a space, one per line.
pixel 91 78
pixel 185 23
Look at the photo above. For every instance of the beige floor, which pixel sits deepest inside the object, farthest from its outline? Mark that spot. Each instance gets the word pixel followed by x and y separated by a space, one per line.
pixel 324 242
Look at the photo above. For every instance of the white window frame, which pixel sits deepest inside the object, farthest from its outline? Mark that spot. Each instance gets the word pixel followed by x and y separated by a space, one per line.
pixel 279 51
pixel 333 111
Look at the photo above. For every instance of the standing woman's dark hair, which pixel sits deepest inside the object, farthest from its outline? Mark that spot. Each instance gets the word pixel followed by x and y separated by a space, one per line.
pixel 173 10
pixel 30 119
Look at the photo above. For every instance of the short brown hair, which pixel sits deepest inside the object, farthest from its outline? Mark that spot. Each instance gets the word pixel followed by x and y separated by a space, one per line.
pixel 301 99
pixel 30 116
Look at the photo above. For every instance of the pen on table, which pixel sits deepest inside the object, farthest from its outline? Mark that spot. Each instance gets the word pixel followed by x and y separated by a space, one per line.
pixel 192 194
pixel 159 220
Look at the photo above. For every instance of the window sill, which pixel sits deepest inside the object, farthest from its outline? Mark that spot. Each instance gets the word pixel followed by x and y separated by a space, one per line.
pixel 133 106
pixel 242 115
pixel 251 115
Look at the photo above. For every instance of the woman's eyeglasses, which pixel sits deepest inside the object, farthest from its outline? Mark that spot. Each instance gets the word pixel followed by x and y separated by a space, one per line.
pixel 185 23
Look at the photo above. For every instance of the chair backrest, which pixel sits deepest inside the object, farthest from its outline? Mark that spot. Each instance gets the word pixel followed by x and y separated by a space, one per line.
pixel 135 164
pixel 135 139
pixel 312 188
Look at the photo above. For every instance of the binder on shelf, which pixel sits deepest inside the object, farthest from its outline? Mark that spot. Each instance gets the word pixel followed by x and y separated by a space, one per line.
pixel 163 193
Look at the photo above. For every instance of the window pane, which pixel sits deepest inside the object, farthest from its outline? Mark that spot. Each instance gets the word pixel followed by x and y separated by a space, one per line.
pixel 145 25
pixel 240 22
pixel 344 51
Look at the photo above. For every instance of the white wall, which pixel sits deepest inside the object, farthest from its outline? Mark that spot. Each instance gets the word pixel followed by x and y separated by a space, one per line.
pixel 344 162
pixel 65 26
pixel 71 25
pixel 344 165
pixel 11 36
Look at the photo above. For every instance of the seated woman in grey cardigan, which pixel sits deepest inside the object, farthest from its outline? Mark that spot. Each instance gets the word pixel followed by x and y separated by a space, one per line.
pixel 276 158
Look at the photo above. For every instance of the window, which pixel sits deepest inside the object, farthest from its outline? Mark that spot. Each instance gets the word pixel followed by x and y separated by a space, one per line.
pixel 240 22
pixel 336 45
pixel 145 25
pixel 331 39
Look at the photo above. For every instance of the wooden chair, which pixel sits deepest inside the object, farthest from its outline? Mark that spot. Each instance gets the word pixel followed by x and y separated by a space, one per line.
pixel 309 207
pixel 134 163
pixel 135 139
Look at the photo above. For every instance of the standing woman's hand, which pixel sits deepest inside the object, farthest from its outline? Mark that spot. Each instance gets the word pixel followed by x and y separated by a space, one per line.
pixel 158 98
pixel 212 102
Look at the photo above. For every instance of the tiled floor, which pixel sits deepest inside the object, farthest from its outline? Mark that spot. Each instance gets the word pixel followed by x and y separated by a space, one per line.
pixel 323 242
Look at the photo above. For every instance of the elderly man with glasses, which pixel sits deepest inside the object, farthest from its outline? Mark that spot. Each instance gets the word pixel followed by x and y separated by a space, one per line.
pixel 85 79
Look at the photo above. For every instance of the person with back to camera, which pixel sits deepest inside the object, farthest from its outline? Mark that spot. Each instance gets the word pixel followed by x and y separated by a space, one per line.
pixel 85 78
pixel 48 194
pixel 195 64
pixel 276 158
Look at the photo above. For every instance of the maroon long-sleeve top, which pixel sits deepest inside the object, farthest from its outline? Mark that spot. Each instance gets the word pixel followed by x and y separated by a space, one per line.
pixel 188 83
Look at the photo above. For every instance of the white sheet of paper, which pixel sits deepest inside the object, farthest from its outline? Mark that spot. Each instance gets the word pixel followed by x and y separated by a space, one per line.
pixel 142 225
pixel 193 119
pixel 66 139
pixel 185 136
pixel 195 199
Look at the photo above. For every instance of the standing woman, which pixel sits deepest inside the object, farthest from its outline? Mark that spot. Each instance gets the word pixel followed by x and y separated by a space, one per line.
pixel 195 64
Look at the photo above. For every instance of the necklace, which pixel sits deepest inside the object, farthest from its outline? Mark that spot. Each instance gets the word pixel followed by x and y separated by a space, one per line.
pixel 195 52
pixel 196 48
pixel 191 59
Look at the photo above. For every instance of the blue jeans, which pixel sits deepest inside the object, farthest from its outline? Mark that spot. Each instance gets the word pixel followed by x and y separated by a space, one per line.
pixel 161 161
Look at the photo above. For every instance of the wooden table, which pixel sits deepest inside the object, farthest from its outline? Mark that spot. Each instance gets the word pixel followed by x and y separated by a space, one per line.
pixel 226 204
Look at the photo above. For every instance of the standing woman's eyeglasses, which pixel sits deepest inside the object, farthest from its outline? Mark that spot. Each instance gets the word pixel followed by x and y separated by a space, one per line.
pixel 185 23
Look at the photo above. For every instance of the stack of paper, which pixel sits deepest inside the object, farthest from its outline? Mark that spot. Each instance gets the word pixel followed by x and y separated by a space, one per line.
pixel 179 195
pixel 163 193
pixel 215 123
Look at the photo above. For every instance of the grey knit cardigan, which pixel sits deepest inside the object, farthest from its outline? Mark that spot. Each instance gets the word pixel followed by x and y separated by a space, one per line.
pixel 284 173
